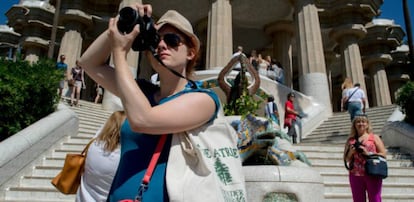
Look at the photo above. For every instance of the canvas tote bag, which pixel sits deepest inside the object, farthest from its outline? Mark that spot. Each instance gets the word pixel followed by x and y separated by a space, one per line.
pixel 204 165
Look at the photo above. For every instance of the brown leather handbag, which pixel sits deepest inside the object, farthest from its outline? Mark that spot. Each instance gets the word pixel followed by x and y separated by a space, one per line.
pixel 68 180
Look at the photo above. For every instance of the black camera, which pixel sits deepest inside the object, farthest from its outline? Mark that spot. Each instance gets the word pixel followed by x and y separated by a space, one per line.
pixel 357 146
pixel 148 37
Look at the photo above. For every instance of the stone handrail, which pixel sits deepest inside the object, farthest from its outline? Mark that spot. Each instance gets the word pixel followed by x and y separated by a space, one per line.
pixel 21 149
pixel 397 133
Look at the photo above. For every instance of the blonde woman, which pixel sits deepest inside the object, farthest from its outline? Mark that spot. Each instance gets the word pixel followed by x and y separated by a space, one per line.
pixel 354 153
pixel 102 161
pixel 347 84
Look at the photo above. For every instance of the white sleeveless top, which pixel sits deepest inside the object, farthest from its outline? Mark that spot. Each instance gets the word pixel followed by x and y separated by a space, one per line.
pixel 100 169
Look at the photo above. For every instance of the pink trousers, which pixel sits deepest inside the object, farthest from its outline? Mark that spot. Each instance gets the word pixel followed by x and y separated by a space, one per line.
pixel 360 185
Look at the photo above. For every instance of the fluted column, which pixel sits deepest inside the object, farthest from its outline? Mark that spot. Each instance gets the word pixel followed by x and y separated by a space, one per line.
pixel 312 70
pixel 220 35
pixel 381 92
pixel 383 37
pixel 71 44
pixel 281 33
pixel 347 37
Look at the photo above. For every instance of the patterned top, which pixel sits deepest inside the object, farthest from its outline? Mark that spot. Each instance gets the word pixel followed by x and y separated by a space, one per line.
pixel 359 159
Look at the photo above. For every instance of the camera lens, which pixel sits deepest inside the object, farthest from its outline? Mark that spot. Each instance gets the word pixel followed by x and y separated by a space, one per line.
pixel 128 18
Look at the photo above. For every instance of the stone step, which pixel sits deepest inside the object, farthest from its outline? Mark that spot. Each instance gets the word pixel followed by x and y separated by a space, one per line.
pixel 92 120
pixel 342 169
pixel 61 153
pixel 342 128
pixel 347 197
pixel 36 181
pixel 92 113
pixel 37 194
pixel 343 177
pixel 339 155
pixel 53 161
pixel 340 162
pixel 318 147
pixel 87 131
pixel 334 139
pixel 72 146
pixel 46 171
pixel 79 139
pixel 387 188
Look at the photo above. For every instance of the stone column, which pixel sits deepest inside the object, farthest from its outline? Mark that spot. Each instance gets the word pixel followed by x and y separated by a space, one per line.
pixel 111 102
pixel 281 33
pixel 383 38
pixel 347 37
pixel 71 44
pixel 220 35
pixel 381 91
pixel 312 70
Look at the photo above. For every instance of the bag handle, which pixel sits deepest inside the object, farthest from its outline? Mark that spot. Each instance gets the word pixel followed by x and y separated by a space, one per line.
pixel 151 167
pixel 351 163
pixel 85 150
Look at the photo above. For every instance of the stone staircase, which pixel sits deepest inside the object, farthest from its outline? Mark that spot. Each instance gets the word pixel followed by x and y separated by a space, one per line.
pixel 35 184
pixel 324 148
pixel 337 128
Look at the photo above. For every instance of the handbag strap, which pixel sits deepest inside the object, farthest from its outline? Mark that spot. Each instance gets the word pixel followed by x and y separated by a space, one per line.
pixel 148 174
pixel 154 159
pixel 85 150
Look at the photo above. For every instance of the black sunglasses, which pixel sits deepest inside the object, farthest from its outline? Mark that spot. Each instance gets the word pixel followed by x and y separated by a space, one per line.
pixel 171 39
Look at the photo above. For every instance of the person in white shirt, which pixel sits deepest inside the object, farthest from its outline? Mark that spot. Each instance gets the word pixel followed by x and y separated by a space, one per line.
pixel 239 51
pixel 102 161
pixel 357 100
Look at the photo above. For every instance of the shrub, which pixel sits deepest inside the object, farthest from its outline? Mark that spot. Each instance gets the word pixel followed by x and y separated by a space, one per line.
pixel 28 93
pixel 244 105
pixel 405 100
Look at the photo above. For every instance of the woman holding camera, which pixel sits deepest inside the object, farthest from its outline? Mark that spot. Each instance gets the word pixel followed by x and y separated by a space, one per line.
pixel 367 144
pixel 151 110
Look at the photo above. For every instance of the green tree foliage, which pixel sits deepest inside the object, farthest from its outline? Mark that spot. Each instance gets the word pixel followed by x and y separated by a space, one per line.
pixel 244 105
pixel 28 93
pixel 405 100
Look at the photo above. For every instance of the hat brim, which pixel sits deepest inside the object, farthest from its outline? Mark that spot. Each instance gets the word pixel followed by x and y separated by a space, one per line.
pixel 175 19
pixel 194 39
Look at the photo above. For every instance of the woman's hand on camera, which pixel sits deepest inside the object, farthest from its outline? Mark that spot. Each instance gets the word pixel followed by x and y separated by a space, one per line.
pixel 143 9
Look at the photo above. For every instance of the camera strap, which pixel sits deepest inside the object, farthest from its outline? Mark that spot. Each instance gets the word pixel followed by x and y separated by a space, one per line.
pixel 157 57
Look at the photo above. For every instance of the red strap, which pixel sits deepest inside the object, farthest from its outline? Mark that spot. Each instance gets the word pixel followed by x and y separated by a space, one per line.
pixel 154 160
